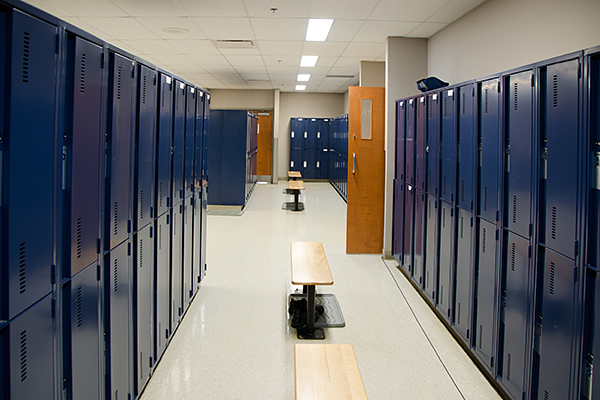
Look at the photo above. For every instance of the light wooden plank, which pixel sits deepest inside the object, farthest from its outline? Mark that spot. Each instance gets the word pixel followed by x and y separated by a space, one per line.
pixel 328 372
pixel 294 174
pixel 309 264
pixel 296 185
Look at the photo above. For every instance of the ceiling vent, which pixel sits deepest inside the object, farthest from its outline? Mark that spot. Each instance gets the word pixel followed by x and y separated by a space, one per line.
pixel 257 80
pixel 345 77
pixel 235 44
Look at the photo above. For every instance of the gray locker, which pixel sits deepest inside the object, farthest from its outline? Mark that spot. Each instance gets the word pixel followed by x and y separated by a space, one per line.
pixel 448 147
pixel 433 144
pixel 144 272
pixel 176 310
pixel 446 274
pixel 409 225
pixel 419 238
pixel 421 143
pixel 467 154
pixel 431 251
pixel 464 274
pixel 162 279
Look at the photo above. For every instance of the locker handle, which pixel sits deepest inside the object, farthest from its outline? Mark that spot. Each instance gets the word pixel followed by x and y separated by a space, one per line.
pixel 545 163
pixel 353 163
pixel 508 158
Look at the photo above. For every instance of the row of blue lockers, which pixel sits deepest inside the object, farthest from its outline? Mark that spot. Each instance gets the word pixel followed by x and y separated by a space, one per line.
pixel 232 157
pixel 338 155
pixel 103 210
pixel 496 219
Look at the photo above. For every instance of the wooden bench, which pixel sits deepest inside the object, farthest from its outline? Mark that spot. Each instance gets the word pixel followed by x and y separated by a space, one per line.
pixel 328 372
pixel 310 268
pixel 293 175
pixel 294 188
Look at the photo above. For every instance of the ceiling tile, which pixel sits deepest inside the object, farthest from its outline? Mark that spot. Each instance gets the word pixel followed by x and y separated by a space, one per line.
pixel 326 61
pixel 214 8
pixel 50 8
pixel 244 69
pixel 344 30
pixel 156 25
pixel 158 46
pixel 261 85
pixel 279 28
pixel 324 48
pixel 344 71
pixel 226 28
pixel 286 61
pixel 245 60
pixel 289 71
pixel 283 47
pixel 189 70
pixel 144 8
pixel 241 52
pixel 453 10
pixel 256 77
pixel 427 29
pixel 406 10
pixel 341 9
pixel 241 85
pixel 220 69
pixel 285 8
pixel 194 46
pixel 121 28
pixel 377 31
pixel 346 62
pixel 125 47
pixel 314 71
pixel 365 50
pixel 78 8
pixel 173 60
pixel 209 59
pixel 89 28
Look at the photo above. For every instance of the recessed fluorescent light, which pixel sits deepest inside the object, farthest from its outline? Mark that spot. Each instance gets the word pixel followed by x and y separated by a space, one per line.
pixel 175 30
pixel 303 77
pixel 308 61
pixel 300 87
pixel 318 29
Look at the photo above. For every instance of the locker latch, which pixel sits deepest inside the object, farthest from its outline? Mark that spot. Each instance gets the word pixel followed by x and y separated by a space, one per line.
pixel 508 158
pixel 544 163
pixel 596 169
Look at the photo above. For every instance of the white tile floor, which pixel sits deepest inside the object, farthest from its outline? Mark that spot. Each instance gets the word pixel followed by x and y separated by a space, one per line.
pixel 235 341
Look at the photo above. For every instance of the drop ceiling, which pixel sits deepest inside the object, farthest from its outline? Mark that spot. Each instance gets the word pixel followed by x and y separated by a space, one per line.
pixel 184 36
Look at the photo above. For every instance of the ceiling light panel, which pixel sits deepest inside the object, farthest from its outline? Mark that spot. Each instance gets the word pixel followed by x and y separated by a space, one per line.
pixel 303 77
pixel 300 87
pixel 318 29
pixel 308 61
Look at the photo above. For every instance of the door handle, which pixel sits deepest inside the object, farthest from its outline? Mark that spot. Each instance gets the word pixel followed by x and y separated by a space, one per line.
pixel 353 163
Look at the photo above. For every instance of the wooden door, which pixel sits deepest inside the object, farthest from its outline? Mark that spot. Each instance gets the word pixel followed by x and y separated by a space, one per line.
pixel 265 140
pixel 366 170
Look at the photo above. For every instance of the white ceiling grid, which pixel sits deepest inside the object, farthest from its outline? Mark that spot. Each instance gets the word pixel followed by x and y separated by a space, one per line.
pixel 358 33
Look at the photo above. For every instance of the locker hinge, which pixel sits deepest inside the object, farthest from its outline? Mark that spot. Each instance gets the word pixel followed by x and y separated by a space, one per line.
pixel 205 267
pixel 575 274
pixel 523 396
pixel 128 396
pixel 181 209
pixel 545 162
pixel 132 70
pixel 532 80
pixel 150 361
pixel 198 279
pixel 576 248
pixel 151 212
pixel 471 221
pixel 154 80
pixel 588 375
pixel 529 252
pixel 128 226
pixel 579 71
pixel 57 44
pixel 128 249
pixel 98 245
pixel 151 232
pixel 468 333
pixel 497 215
pixel 530 229
pixel 98 272
pixel 102 61
pixel 52 274
pixel 53 308
pixel 499 87
pixel 492 362
pixel 497 234
pixel 596 170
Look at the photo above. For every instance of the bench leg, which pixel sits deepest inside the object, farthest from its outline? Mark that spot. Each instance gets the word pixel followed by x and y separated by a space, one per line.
pixel 296 198
pixel 309 331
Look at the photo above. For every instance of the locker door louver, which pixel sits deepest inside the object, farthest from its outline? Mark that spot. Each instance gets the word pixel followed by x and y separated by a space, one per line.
pixel 79 307
pixel 483 246
pixel 516 99
pixel 141 253
pixel 141 204
pixel 463 104
pixel 462 220
pixel 119 83
pixel 513 256
pixel 555 90
pixel 115 219
pixel 144 91
pixel 160 194
pixel 514 210
pixel 115 275
pixel 458 318
pixel 116 395
pixel 159 335
pixel 82 74
pixel 23 355
pixel 79 244
pixel 162 98
pixel 552 271
pixel 22 271
pixel 486 100
pixel 508 367
pixel 443 218
pixel 553 222
pixel 485 198
pixel 445 106
pixel 480 345
pixel 26 37
pixel 141 364
pixel 160 237
pixel 546 395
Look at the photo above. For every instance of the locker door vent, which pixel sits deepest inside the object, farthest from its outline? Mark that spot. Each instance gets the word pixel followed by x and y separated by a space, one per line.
pixel 160 194
pixel 516 97
pixel 82 74
pixel 429 214
pixel 555 90
pixel 159 336
pixel 508 367
pixel 115 218
pixel 26 37
pixel 485 198
pixel 22 276
pixel 514 210
pixel 462 220
pixel 144 91
pixel 445 106
pixel 552 270
pixel 141 253
pixel 23 355
pixel 141 204
pixel 444 184
pixel 444 218
pixel 79 245
pixel 160 237
pixel 427 280
pixel 486 100
pixel 141 364
pixel 483 247
pixel 119 83
pixel 162 97
pixel 430 108
pixel 553 222
pixel 458 318
pixel 462 190
pixel 463 103
pixel 480 345
pixel 79 309
pixel 546 395
pixel 116 395
pixel 513 258
pixel 115 275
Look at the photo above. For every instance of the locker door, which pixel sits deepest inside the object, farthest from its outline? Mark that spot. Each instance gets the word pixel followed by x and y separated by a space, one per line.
pixel 145 145
pixel 28 168
pixel 516 305
pixel 144 267
pixel 199 153
pixel 419 246
pixel 445 294
pixel 297 133
pixel 519 142
pixel 409 224
pixel 491 142
pixel 164 143
pixel 119 145
pixel 215 148
pixel 190 128
pixel 31 362
pixel 560 114
pixel 187 251
pixel 116 266
pixel 309 163
pixel 433 144
pixel 420 143
pixel 400 138
pixel 467 154
pixel 557 326
pixel 486 293
pixel 197 241
pixel 179 143
pixel 449 147
pixel 322 133
pixel 310 131
pixel 205 134
pixel 162 262
pixel 322 163
pixel 409 142
pixel 176 266
pixel 398 223
pixel 84 348
pixel 296 159
pixel 83 158
pixel 431 247
pixel 464 273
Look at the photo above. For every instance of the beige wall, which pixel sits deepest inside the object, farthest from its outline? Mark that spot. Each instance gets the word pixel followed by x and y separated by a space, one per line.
pixel 372 74
pixel 503 34
pixel 315 105
pixel 241 99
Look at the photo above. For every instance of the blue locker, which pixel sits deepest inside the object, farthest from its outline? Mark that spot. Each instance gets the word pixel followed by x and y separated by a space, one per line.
pixel 197 241
pixel 82 327
pixel 400 138
pixel 30 368
pixel 491 142
pixel 419 238
pixel 449 147
pixel 215 145
pixel 467 153
pixel 322 163
pixel 398 221
pixel 199 152
pixel 309 164
pixel 516 302
pixel 145 142
pixel 420 143
pixel 119 138
pixel 163 144
pixel 205 134
pixel 117 266
pixel 557 318
pixel 161 279
pixel 190 130
pixel 296 159
pixel 176 310
pixel 464 274
pixel 322 133
pixel 144 272
pixel 297 133
pixel 409 225
pixel 187 251
pixel 446 257
pixel 84 146
pixel 409 142
pixel 519 145
pixel 485 332
pixel 178 151
pixel 560 97
pixel 310 133
pixel 28 162
pixel 433 144
pixel 431 251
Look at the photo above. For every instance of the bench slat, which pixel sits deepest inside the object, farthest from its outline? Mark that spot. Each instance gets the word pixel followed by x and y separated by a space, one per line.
pixel 296 185
pixel 309 264
pixel 327 371
pixel 294 174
